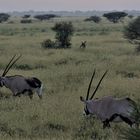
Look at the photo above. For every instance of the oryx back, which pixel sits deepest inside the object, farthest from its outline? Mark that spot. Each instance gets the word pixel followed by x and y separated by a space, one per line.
pixel 17 83
pixel 106 107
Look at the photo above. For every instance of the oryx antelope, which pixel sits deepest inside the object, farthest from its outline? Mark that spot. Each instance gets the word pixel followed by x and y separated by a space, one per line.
pixel 83 44
pixel 19 84
pixel 109 109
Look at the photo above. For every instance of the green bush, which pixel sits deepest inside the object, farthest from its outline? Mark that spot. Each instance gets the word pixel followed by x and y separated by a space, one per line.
pixel 132 33
pixel 64 31
pixel 4 17
pixel 48 44
pixel 26 21
pixel 95 19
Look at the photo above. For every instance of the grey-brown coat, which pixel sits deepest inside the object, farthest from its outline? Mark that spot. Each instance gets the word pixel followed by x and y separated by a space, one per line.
pixel 109 109
pixel 19 84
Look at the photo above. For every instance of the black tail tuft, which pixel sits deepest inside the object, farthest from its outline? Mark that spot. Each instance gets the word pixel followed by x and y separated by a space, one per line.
pixel 34 82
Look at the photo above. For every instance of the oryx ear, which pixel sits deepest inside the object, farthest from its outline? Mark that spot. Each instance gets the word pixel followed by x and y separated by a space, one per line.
pixel 82 99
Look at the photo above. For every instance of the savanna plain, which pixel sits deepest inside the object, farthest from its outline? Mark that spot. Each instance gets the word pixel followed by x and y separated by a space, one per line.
pixel 65 74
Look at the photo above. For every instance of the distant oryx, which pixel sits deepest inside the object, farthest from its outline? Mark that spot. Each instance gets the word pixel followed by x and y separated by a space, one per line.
pixel 83 44
pixel 109 109
pixel 19 84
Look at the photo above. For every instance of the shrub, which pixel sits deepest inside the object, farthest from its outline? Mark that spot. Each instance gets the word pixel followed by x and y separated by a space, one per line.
pixel 132 33
pixel 64 31
pixel 48 44
pixel 26 16
pixel 26 21
pixel 96 19
pixel 4 17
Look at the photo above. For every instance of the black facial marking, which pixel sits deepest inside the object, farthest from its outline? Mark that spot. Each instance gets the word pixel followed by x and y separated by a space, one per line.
pixel 86 110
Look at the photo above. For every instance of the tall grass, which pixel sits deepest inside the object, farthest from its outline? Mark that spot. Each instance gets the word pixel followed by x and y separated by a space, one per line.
pixel 65 75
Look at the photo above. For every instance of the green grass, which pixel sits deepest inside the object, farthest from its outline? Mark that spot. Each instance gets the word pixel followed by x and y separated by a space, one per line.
pixel 65 75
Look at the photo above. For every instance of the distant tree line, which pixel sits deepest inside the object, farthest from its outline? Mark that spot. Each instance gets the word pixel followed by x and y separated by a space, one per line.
pixel 4 17
pixel 45 16
pixel 114 17
pixel 111 16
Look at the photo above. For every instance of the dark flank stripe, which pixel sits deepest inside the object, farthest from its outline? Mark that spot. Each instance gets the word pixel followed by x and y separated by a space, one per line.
pixel 34 82
pixel 125 119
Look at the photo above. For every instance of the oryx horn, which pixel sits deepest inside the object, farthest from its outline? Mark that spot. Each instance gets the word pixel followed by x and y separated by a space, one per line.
pixel 98 84
pixel 10 64
pixel 90 84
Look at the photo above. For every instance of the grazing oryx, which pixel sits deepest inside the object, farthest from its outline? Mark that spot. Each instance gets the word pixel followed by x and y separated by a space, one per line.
pixel 19 84
pixel 109 109
pixel 83 44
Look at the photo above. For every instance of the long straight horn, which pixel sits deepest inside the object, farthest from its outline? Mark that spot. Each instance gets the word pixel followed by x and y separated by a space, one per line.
pixel 10 64
pixel 98 85
pixel 90 84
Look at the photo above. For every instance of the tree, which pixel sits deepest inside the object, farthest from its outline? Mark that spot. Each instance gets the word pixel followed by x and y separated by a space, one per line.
pixel 26 16
pixel 96 19
pixel 132 32
pixel 45 16
pixel 4 17
pixel 64 31
pixel 115 16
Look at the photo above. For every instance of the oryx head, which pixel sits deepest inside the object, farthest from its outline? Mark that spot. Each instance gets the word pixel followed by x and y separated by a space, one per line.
pixel 88 101
pixel 8 67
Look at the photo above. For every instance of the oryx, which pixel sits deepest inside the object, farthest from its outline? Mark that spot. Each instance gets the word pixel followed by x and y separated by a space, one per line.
pixel 83 44
pixel 19 84
pixel 109 109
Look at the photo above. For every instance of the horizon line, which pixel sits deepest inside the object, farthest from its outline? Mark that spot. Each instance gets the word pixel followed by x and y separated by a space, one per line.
pixel 67 10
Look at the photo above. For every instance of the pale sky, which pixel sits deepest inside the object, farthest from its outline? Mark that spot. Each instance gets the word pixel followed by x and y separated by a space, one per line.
pixel 68 5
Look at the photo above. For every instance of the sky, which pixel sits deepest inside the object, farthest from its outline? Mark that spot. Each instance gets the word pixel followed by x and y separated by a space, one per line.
pixel 68 5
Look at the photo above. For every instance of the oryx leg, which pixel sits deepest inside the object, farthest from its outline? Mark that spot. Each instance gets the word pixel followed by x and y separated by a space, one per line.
pixel 17 94
pixel 106 124
pixel 30 94
pixel 125 119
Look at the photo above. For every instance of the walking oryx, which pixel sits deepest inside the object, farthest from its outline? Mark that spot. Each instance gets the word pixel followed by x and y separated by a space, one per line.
pixel 109 109
pixel 19 84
